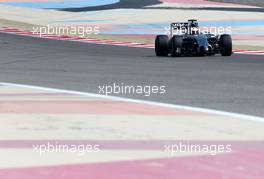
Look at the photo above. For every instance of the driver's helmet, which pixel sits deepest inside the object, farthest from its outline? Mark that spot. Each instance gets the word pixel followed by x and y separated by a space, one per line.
pixel 194 28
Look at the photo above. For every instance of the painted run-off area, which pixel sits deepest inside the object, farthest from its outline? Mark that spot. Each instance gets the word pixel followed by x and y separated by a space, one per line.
pixel 138 25
pixel 131 135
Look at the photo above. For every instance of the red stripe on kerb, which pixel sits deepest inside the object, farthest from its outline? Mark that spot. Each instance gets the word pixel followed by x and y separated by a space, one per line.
pixel 88 107
pixel 110 42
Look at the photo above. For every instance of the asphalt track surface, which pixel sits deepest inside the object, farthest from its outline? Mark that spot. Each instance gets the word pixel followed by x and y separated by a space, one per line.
pixel 124 4
pixel 233 84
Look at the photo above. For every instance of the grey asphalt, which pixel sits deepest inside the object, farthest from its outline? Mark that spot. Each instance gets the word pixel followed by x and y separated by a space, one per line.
pixel 234 84
pixel 122 4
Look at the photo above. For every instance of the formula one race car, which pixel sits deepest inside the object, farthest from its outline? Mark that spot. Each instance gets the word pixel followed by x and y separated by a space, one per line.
pixel 190 42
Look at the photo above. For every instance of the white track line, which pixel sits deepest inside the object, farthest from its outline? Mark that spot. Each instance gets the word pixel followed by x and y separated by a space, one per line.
pixel 204 110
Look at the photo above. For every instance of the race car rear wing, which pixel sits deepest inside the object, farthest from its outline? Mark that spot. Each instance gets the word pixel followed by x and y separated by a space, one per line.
pixel 179 25
pixel 183 26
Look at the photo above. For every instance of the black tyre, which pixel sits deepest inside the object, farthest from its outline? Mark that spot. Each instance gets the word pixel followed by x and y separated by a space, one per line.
pixel 162 45
pixel 176 46
pixel 225 45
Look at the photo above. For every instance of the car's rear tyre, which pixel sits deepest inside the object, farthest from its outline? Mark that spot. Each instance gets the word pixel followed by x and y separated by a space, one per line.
pixel 225 45
pixel 162 45
pixel 176 46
